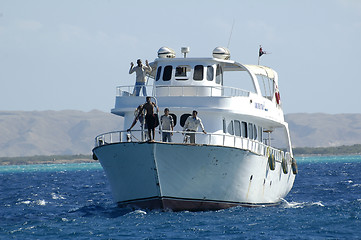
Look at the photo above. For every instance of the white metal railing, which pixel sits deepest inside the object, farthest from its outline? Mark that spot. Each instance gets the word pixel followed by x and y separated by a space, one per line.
pixel 128 91
pixel 163 90
pixel 179 137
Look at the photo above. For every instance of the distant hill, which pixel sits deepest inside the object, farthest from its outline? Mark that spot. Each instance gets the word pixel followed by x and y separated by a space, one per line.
pixel 72 132
pixel 53 132
pixel 324 130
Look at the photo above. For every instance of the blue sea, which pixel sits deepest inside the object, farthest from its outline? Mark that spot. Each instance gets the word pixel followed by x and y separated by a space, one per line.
pixel 73 201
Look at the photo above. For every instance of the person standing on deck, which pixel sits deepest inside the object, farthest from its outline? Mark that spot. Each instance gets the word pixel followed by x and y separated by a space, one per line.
pixel 140 71
pixel 191 125
pixel 167 124
pixel 150 118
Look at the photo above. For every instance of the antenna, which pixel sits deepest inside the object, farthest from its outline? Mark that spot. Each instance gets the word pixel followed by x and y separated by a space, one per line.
pixel 230 35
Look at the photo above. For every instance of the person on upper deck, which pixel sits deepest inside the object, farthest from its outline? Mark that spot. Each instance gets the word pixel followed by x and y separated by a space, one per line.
pixel 140 71
pixel 191 125
pixel 167 124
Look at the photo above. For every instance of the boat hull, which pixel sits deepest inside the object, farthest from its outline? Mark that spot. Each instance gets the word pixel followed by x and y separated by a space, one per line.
pixel 190 177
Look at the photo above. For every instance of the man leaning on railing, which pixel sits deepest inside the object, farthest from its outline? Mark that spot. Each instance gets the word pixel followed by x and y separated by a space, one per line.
pixel 191 126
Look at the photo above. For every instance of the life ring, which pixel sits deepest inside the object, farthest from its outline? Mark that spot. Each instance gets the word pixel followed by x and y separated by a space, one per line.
pixel 284 166
pixel 294 166
pixel 271 160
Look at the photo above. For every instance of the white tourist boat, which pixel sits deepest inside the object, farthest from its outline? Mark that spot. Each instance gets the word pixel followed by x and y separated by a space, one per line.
pixel 233 164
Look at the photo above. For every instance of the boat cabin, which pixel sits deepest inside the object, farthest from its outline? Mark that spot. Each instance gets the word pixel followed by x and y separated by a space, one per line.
pixel 205 76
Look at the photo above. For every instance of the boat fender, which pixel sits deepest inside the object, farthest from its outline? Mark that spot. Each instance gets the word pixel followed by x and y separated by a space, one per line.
pixel 95 157
pixel 271 160
pixel 284 166
pixel 294 166
pixel 278 98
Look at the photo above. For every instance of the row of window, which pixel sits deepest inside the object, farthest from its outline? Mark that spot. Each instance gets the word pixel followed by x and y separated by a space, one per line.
pixel 183 72
pixel 235 127
pixel 243 129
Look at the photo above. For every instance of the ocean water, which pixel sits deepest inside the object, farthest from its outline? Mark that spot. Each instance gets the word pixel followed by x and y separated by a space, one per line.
pixel 73 201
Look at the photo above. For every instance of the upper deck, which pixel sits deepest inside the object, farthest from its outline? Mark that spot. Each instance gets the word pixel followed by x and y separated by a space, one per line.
pixel 216 78
pixel 185 84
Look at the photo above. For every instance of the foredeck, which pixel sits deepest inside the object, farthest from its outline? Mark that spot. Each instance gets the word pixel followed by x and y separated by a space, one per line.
pixel 179 137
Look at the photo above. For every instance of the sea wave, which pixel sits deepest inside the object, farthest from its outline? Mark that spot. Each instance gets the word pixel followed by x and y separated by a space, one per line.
pixel 56 196
pixel 40 202
pixel 286 204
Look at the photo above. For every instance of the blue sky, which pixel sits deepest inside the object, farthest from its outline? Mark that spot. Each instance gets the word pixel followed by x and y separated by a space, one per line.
pixel 57 55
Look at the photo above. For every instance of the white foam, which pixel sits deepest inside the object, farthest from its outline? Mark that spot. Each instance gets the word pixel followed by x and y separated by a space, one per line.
pixel 318 204
pixel 41 202
pixel 140 212
pixel 301 204
pixel 56 196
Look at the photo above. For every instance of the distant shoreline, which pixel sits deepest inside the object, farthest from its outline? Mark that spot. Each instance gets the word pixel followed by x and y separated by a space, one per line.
pixel 81 158
pixel 53 159
pixel 59 161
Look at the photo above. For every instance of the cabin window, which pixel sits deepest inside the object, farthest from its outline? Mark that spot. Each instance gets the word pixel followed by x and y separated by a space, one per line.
pixel 266 85
pixel 260 134
pixel 159 70
pixel 210 73
pixel 230 128
pixel 183 119
pixel 244 129
pixel 219 75
pixel 182 72
pixel 167 74
pixel 237 128
pixel 198 73
pixel 250 130
pixel 224 126
pixel 254 132
pixel 241 80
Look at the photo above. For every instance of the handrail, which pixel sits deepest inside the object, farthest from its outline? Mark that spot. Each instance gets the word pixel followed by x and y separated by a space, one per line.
pixel 194 90
pixel 214 139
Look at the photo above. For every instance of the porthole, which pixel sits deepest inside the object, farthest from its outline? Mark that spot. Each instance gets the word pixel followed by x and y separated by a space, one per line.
pixel 183 119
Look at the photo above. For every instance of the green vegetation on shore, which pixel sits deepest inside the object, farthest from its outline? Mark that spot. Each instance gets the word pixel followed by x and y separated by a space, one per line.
pixel 45 159
pixel 340 150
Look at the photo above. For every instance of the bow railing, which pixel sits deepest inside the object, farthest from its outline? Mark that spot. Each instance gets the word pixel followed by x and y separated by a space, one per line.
pixel 181 137
pixel 164 90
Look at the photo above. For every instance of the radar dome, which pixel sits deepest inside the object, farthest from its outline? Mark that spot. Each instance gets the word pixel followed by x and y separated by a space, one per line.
pixel 222 53
pixel 166 52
